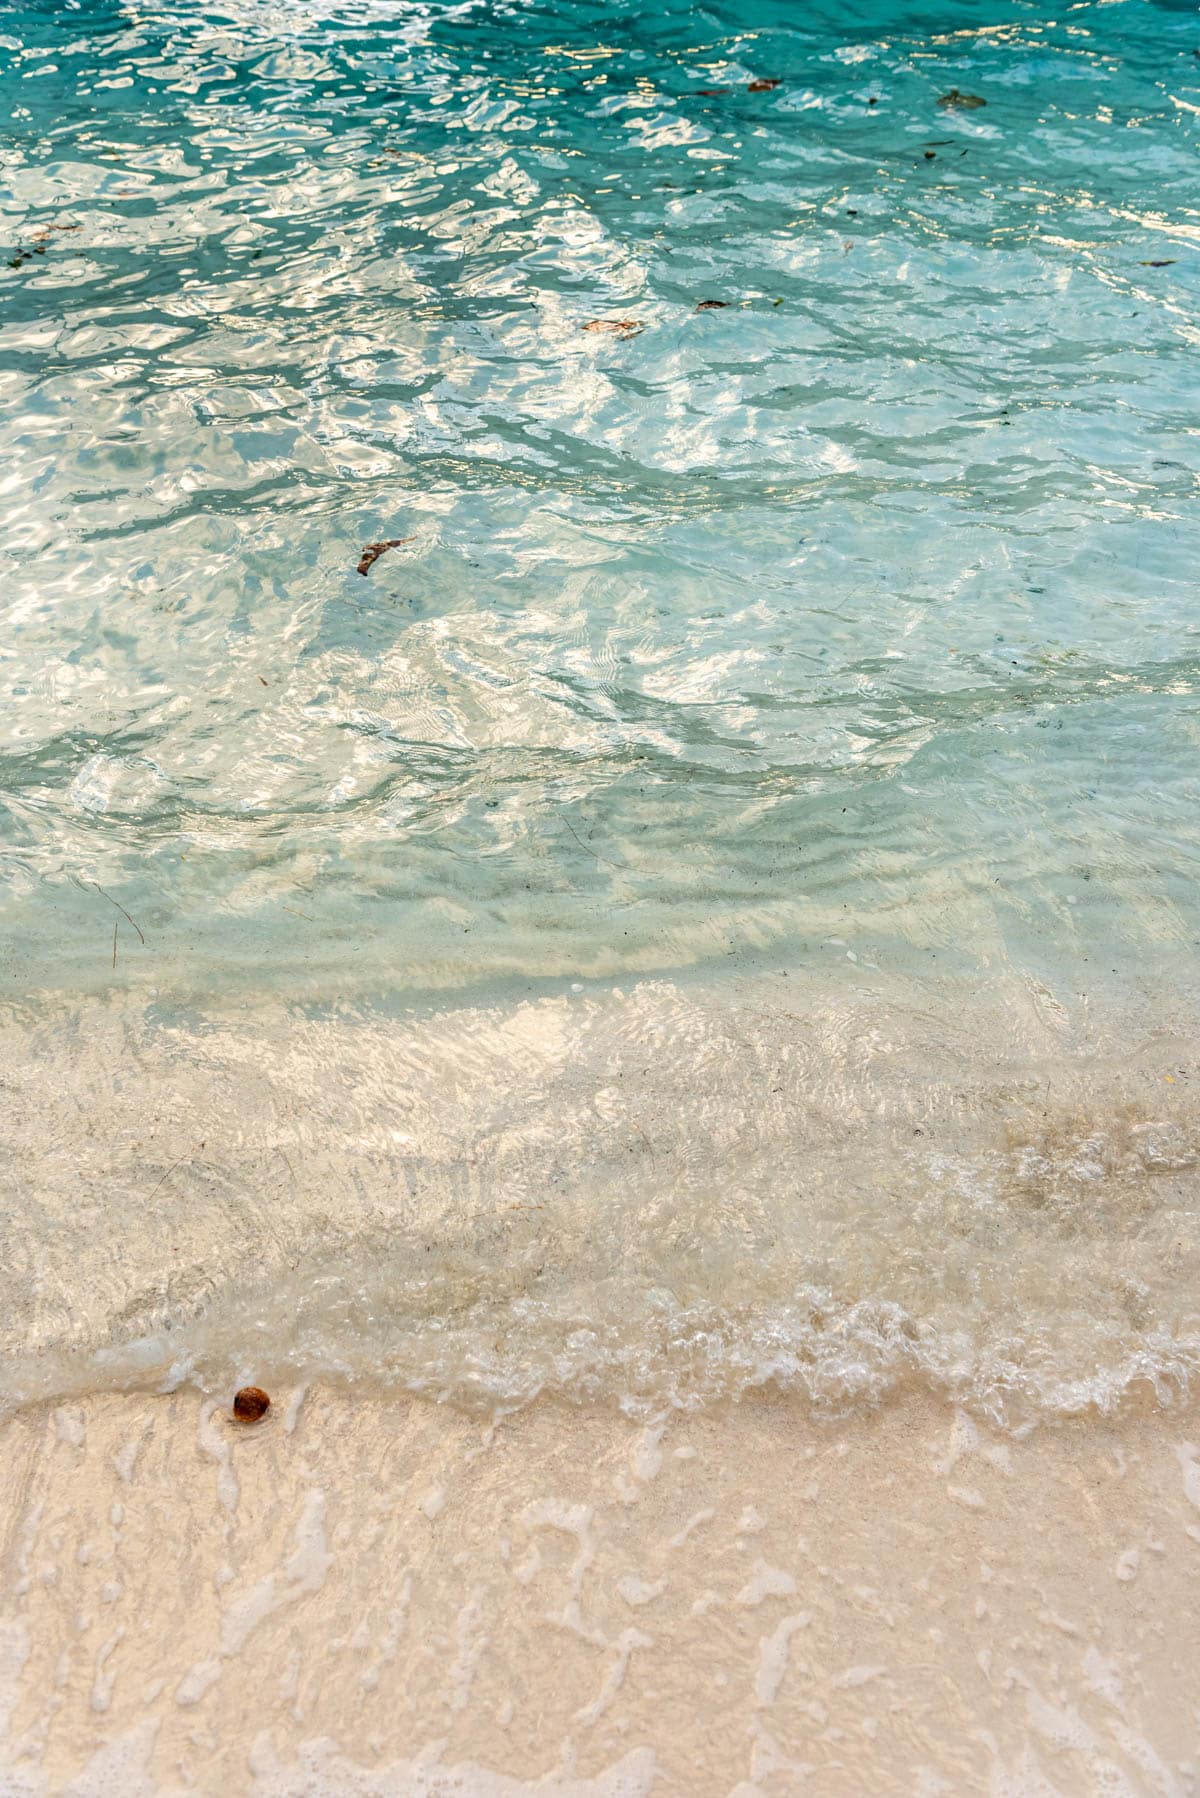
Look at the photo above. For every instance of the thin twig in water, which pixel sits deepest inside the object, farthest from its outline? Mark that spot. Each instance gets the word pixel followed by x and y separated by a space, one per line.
pixel 122 911
pixel 186 1156
pixel 587 849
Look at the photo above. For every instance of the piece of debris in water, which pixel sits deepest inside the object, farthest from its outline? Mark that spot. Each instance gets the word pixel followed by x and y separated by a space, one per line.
pixel 617 327
pixel 966 101
pixel 711 305
pixel 373 551
pixel 250 1404
pixel 763 86
pixel 1169 262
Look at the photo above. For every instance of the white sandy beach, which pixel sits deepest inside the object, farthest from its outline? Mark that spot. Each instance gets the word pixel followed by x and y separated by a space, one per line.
pixel 364 1596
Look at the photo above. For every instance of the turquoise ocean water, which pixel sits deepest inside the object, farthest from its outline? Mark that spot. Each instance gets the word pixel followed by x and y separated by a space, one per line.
pixel 794 464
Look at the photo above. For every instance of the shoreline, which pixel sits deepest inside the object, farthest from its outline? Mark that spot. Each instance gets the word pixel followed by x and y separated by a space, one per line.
pixel 666 1194
pixel 388 1596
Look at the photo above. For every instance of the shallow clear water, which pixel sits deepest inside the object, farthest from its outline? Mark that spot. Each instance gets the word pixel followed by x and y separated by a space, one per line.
pixel 842 630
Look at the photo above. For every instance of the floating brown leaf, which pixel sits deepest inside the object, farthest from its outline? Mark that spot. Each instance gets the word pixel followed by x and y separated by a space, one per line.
pixel 373 551
pixel 250 1404
pixel 617 327
pixel 760 87
pixel 966 101
pixel 711 305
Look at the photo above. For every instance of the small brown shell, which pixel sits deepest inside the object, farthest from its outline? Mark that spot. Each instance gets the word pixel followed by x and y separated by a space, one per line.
pixel 250 1404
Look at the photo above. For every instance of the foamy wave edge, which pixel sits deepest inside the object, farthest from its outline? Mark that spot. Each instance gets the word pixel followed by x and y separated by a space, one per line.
pixel 857 1357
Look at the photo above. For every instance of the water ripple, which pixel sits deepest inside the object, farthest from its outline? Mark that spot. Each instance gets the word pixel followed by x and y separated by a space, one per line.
pixel 872 576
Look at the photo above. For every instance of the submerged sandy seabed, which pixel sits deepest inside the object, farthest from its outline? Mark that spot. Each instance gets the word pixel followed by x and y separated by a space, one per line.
pixel 671 1192
pixel 392 1597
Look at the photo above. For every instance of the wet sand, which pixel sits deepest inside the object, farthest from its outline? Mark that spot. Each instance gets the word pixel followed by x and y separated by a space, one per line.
pixel 394 1597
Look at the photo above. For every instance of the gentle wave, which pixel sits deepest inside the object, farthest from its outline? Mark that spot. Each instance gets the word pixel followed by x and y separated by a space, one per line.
pixel 655 1195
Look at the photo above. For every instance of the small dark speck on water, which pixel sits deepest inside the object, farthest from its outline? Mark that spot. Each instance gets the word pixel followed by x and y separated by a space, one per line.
pixel 373 551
